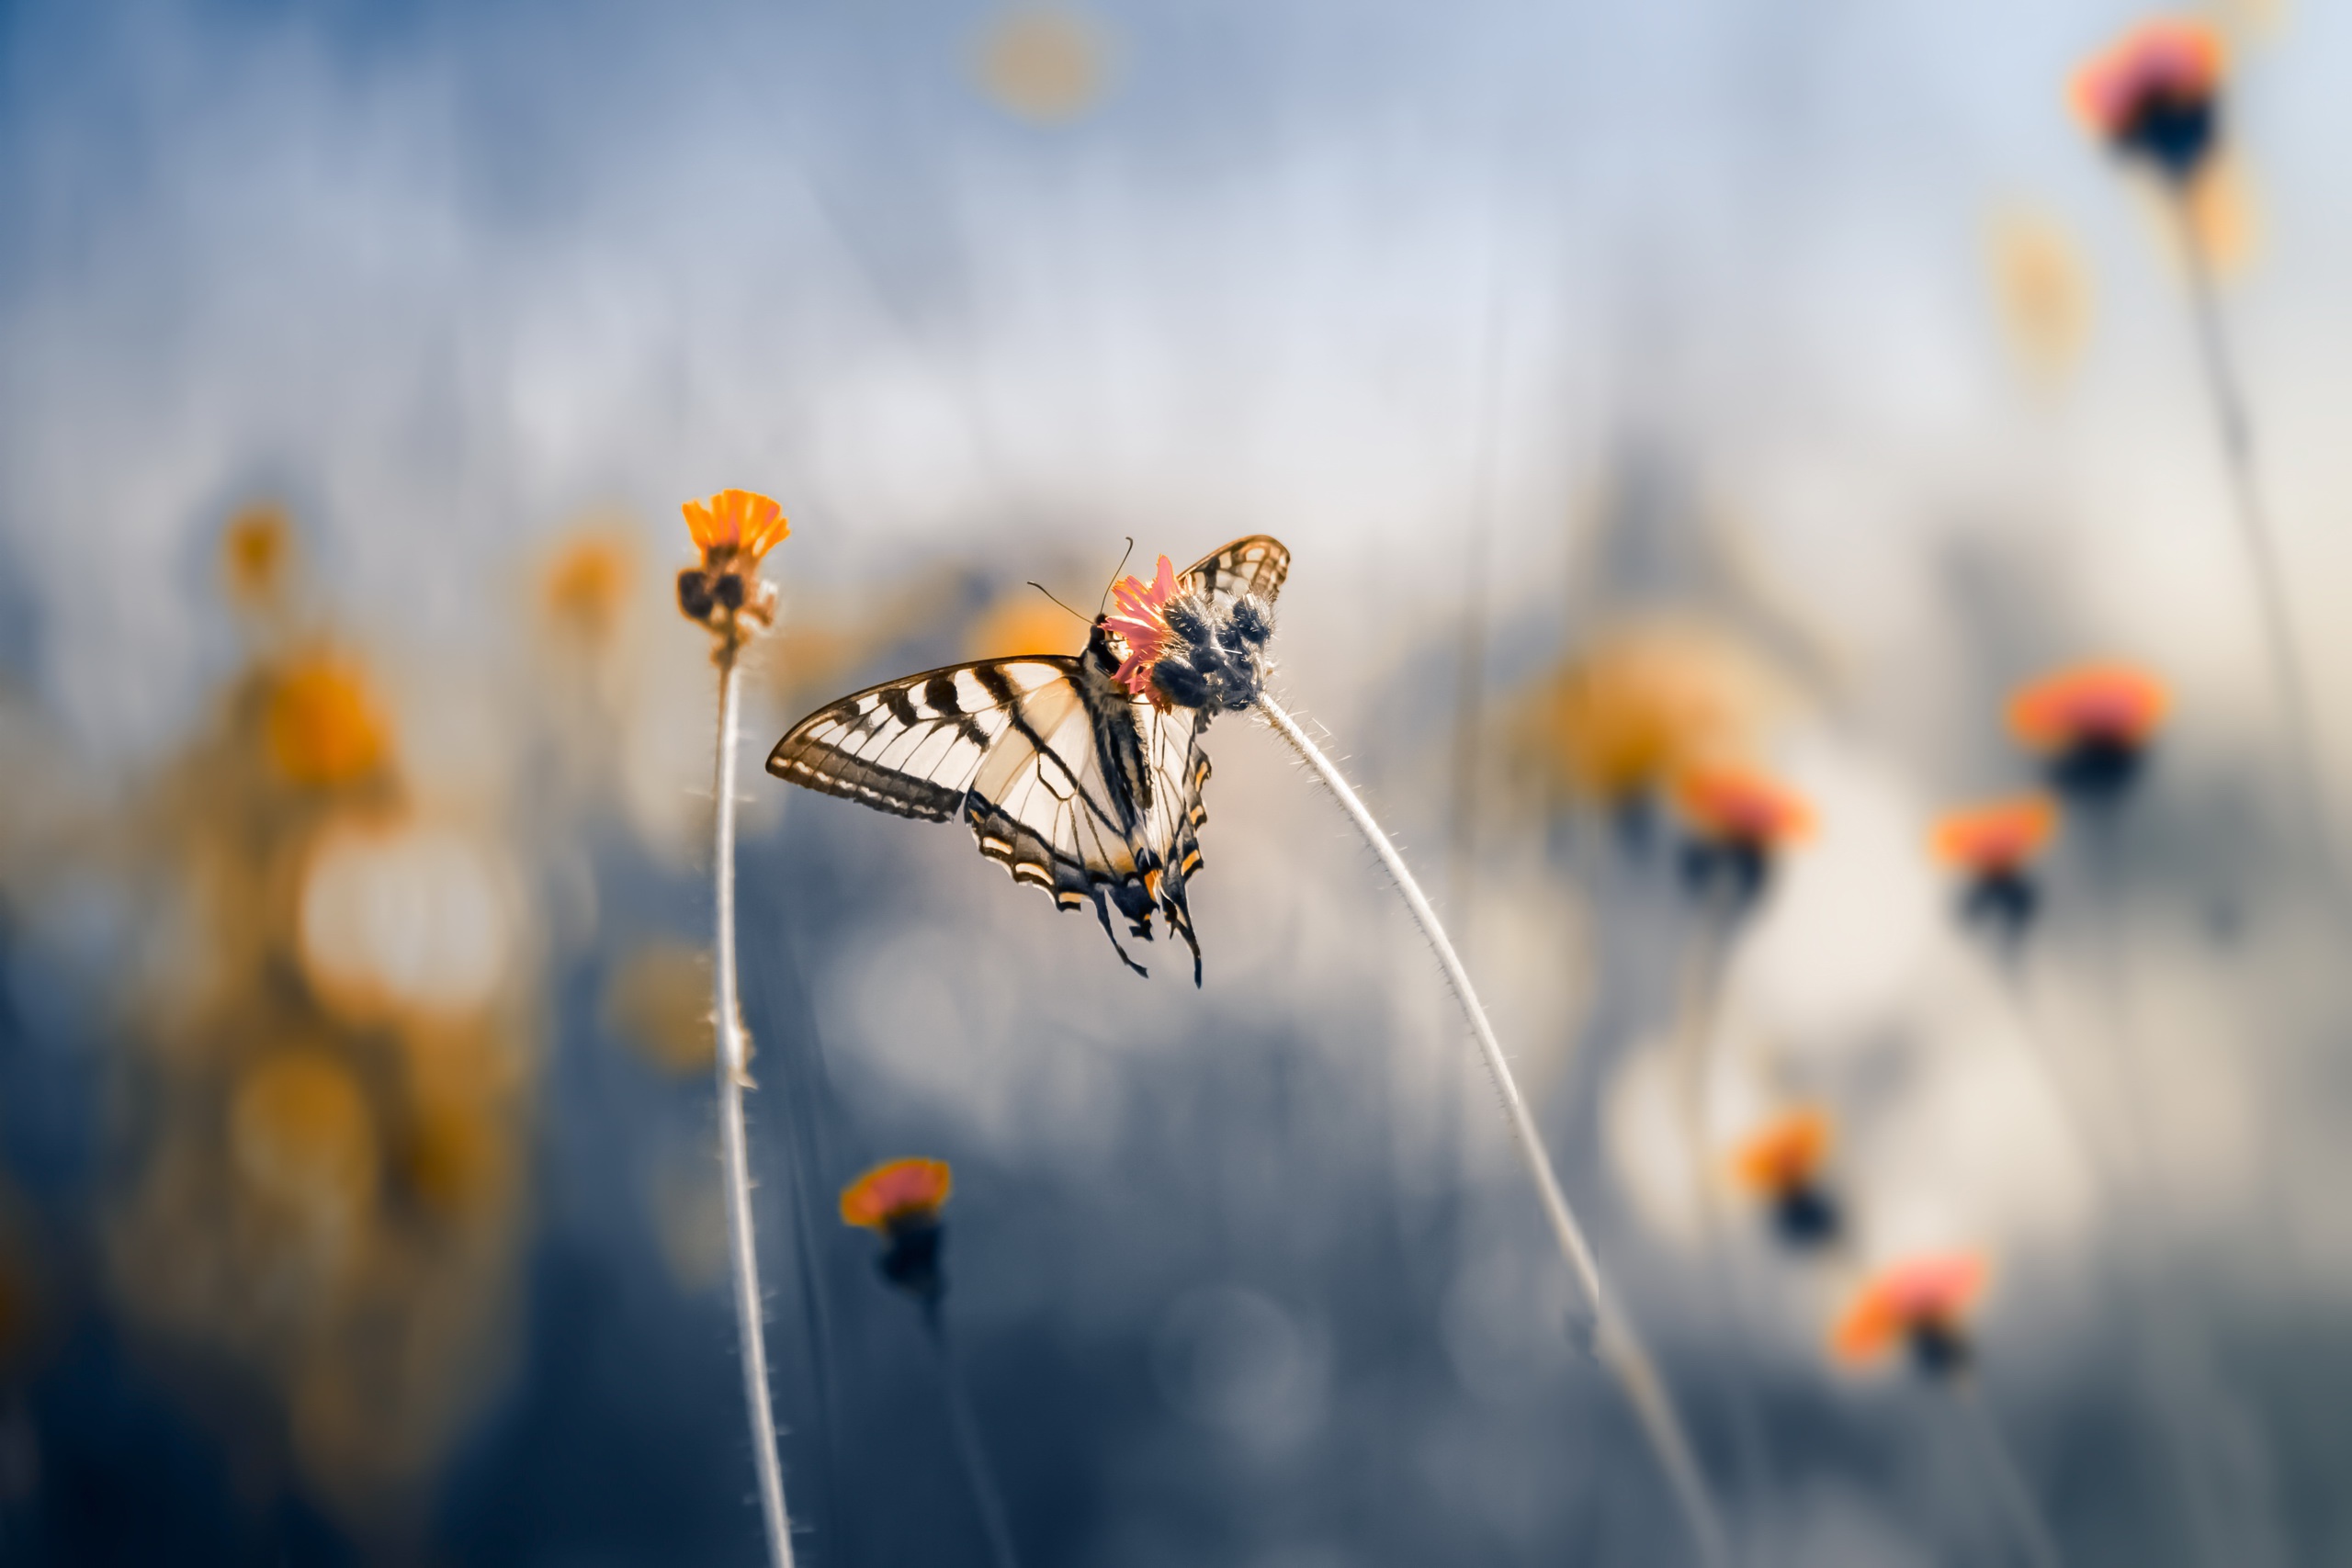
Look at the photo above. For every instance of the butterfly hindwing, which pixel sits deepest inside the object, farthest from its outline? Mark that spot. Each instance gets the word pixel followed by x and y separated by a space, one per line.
pixel 1256 564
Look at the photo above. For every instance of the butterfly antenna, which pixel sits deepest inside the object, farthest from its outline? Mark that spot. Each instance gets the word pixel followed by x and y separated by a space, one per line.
pixel 1049 593
pixel 1116 570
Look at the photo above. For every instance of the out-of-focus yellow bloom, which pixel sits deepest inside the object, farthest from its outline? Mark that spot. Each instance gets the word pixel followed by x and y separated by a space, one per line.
pixel 587 584
pixel 659 1000
pixel 302 1135
pixel 321 725
pixel 1641 706
pixel 1926 1301
pixel 2043 290
pixel 1785 1155
pixel 901 1192
pixel 1046 65
pixel 1998 839
pixel 404 915
pixel 1021 622
pixel 258 554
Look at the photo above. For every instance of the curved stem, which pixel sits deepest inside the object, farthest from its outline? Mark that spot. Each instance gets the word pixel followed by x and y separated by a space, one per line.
pixel 733 1051
pixel 977 1472
pixel 2235 429
pixel 1613 1338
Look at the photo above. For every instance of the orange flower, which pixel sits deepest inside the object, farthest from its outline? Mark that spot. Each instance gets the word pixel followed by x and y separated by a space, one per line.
pixel 1995 839
pixel 1785 1155
pixel 1926 1301
pixel 2154 94
pixel 2111 705
pixel 734 529
pixel 1140 623
pixel 736 525
pixel 321 725
pixel 1741 807
pixel 901 1192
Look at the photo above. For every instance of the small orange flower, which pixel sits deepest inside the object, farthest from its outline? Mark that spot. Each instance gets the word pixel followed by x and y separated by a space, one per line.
pixel 736 525
pixel 1926 1301
pixel 735 530
pixel 1140 623
pixel 1785 1155
pixel 901 1192
pixel 2111 705
pixel 1997 838
pixel 1741 807
pixel 2155 94
pixel 321 725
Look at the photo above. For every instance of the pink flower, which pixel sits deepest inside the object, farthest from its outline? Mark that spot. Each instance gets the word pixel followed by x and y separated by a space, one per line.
pixel 1140 624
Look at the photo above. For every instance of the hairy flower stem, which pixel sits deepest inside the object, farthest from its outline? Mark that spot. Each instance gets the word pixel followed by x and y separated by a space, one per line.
pixel 1613 1341
pixel 2235 429
pixel 969 1450
pixel 733 1051
pixel 2001 1475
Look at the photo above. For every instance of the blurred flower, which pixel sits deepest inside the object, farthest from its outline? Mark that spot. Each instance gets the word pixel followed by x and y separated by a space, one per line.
pixel 1139 620
pixel 1782 1164
pixel 902 1200
pixel 2155 94
pixel 322 727
pixel 659 1000
pixel 1642 705
pixel 404 915
pixel 586 585
pixel 2042 288
pixel 302 1135
pixel 1990 846
pixel 1021 622
pixel 735 530
pixel 1737 819
pixel 256 555
pixel 1923 1302
pixel 1044 65
pixel 2091 724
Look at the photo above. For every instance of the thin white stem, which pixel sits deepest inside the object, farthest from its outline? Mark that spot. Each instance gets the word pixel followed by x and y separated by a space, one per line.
pixel 742 1243
pixel 1613 1338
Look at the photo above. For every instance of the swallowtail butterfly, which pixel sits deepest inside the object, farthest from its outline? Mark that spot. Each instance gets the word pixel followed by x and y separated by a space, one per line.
pixel 1068 779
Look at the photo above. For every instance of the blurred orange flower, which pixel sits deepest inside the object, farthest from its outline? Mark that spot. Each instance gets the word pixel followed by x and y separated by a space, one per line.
pixel 1997 838
pixel 1926 1301
pixel 901 1193
pixel 2111 704
pixel 322 724
pixel 1741 807
pixel 2154 94
pixel 1785 1155
pixel 256 550
pixel 587 585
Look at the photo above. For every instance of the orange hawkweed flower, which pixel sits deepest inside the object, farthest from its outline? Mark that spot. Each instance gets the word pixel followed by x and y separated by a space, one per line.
pixel 902 1200
pixel 1782 1163
pixel 1997 838
pixel 735 530
pixel 1140 623
pixel 1738 819
pixel 2155 94
pixel 1925 1303
pixel 2091 725
pixel 1727 805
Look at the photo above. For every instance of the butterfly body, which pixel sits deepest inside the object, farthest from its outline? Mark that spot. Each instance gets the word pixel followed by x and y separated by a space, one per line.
pixel 1067 777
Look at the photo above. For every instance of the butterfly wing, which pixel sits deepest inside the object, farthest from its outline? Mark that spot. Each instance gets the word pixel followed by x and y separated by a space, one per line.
pixel 1256 564
pixel 1045 762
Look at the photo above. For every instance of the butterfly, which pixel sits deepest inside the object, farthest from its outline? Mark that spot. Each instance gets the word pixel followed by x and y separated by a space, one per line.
pixel 1078 775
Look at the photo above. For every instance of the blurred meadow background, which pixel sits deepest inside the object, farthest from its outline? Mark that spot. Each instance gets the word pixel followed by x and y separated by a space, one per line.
pixel 1634 385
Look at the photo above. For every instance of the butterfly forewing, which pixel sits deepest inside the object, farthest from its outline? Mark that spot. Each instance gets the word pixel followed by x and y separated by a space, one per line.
pixel 913 746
